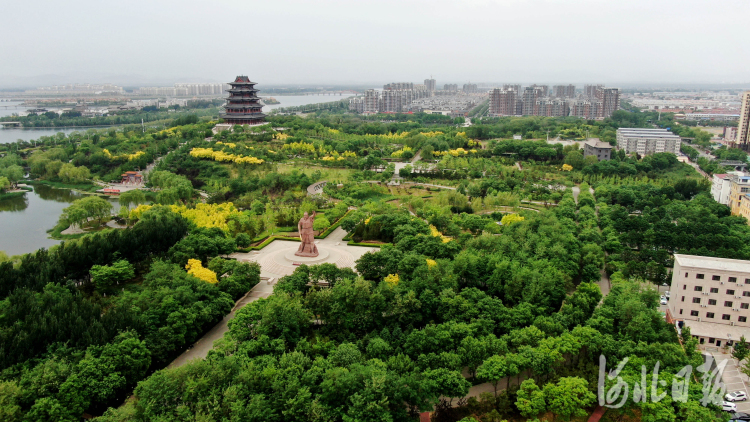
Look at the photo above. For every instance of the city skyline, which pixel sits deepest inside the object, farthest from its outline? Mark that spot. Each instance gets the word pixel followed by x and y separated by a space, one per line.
pixel 147 43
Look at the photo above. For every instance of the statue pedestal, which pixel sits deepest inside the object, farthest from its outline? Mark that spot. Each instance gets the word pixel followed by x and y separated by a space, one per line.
pixel 309 260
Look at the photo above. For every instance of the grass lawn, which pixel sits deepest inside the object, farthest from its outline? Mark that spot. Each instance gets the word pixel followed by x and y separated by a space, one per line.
pixel 327 172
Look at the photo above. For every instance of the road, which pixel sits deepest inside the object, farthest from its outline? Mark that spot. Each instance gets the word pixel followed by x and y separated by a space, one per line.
pixel 204 344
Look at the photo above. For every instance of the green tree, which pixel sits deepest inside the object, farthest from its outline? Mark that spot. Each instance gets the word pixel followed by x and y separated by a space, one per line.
pixel 530 399
pixel 569 397
pixel 321 223
pixel 105 276
pixel 740 350
pixel 495 368
pixel 133 197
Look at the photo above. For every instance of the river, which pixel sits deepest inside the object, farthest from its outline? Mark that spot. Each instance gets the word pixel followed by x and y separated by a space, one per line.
pixel 13 134
pixel 24 220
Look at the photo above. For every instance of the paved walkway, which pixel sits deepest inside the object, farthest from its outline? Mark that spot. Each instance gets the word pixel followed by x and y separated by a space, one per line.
pixel 273 266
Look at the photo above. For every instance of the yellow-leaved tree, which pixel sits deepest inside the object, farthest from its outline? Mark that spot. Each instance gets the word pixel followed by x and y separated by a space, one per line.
pixel 509 219
pixel 196 269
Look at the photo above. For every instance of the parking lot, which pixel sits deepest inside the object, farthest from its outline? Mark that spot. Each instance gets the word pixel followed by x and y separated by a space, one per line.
pixel 733 379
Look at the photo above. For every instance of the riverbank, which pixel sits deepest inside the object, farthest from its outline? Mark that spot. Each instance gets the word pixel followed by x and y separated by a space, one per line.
pixel 88 187
pixel 21 191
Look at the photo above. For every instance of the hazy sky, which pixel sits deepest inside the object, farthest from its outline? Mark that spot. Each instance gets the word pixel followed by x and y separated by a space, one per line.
pixel 358 42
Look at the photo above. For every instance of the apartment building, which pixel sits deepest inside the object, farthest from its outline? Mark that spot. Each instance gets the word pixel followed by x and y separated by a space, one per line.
pixel 371 102
pixel 743 127
pixel 450 87
pixel 399 85
pixel 738 189
pixel 593 91
pixel 430 84
pixel 720 187
pixel 647 141
pixel 712 297
pixel 564 91
pixel 610 101
pixel 470 88
pixel 514 87
pixel 530 94
pixel 502 102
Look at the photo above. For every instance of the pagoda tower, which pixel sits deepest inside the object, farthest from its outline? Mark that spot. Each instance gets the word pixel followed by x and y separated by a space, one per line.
pixel 243 105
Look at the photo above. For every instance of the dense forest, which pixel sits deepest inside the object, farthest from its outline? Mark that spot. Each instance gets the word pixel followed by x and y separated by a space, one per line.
pixel 490 257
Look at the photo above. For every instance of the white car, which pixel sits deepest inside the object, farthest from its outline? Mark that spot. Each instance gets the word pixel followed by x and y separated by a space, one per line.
pixel 666 294
pixel 728 406
pixel 736 396
pixel 663 301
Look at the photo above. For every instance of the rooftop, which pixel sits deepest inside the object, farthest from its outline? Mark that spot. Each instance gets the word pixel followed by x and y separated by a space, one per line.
pixel 711 263
pixel 596 143
pixel 717 330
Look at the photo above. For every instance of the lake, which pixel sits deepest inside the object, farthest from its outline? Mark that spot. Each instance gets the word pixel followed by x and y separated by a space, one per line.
pixel 24 220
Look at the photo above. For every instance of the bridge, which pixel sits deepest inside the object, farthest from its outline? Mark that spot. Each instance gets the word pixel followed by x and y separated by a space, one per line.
pixel 10 124
pixel 738 165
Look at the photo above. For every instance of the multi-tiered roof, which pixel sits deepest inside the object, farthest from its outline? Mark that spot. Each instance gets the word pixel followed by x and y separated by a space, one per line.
pixel 243 105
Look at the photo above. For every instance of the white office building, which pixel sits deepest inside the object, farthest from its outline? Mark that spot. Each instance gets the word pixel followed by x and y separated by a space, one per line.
pixel 712 297
pixel 647 141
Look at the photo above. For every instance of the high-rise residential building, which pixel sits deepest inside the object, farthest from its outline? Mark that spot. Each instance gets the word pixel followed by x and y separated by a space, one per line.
pixel 593 91
pixel 502 102
pixel 371 102
pixel 610 101
pixel 430 84
pixel 552 107
pixel 648 141
pixel 399 85
pixel 743 127
pixel 543 90
pixel 450 87
pixel 470 88
pixel 530 94
pixel 711 296
pixel 243 105
pixel 564 91
pixel 514 87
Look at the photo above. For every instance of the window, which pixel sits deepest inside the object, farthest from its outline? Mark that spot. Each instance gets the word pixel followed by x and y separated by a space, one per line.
pixel 742 319
pixel 693 313
pixel 684 287
pixel 745 293
pixel 732 279
pixel 683 298
pixel 712 301
pixel 698 288
pixel 709 314
pixel 711 340
pixel 699 276
pixel 728 303
pixel 725 317
pixel 747 281
pixel 730 291
pixel 680 311
pixel 696 300
pixel 714 290
pixel 744 305
pixel 685 274
pixel 715 277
